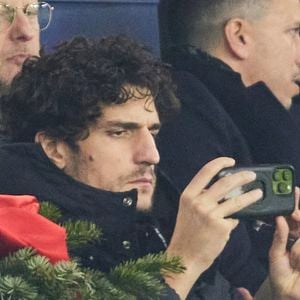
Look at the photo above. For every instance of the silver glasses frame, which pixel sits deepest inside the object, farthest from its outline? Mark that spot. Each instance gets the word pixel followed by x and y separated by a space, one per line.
pixel 51 8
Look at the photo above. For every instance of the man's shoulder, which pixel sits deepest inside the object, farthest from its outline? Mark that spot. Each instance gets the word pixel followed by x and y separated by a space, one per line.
pixel 201 112
pixel 16 161
pixel 202 130
pixel 191 89
pixel 217 76
pixel 10 151
pixel 17 151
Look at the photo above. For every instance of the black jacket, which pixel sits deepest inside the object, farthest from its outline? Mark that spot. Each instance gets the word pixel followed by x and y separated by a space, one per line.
pixel 25 169
pixel 126 233
pixel 202 131
pixel 221 117
pixel 271 131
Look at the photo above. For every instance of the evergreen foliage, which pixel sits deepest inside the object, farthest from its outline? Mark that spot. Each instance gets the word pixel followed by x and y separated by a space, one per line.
pixel 25 275
pixel 50 211
pixel 80 233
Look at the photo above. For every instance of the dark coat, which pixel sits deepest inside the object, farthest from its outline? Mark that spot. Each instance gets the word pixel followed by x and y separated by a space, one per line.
pixel 295 109
pixel 201 132
pixel 221 117
pixel 25 169
pixel 271 131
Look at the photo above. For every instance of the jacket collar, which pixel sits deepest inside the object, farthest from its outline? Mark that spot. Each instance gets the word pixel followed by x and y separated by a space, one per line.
pixel 194 60
pixel 34 173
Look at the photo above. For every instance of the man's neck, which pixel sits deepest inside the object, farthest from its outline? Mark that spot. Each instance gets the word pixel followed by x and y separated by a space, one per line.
pixel 236 66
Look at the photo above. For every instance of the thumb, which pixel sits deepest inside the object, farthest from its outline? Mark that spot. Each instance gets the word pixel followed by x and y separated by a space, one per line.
pixel 245 294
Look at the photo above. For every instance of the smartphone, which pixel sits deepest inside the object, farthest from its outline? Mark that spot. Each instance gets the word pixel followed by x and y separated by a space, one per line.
pixel 277 183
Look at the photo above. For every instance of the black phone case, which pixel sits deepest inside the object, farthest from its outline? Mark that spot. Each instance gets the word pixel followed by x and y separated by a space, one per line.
pixel 273 203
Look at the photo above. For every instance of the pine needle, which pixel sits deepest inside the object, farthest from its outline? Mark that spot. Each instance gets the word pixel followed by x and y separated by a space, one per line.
pixel 80 233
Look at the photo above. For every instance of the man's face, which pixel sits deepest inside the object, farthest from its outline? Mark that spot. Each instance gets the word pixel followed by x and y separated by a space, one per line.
pixel 275 55
pixel 17 43
pixel 120 152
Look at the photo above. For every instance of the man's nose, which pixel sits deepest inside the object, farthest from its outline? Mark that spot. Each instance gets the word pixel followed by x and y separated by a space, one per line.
pixel 21 29
pixel 145 149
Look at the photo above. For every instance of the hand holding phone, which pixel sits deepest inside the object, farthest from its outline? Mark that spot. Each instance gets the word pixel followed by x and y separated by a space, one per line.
pixel 277 184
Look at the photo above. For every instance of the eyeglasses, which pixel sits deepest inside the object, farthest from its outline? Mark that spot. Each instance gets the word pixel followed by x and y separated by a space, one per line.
pixel 38 15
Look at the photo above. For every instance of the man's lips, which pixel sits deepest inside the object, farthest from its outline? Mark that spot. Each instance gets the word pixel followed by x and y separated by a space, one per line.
pixel 18 59
pixel 142 181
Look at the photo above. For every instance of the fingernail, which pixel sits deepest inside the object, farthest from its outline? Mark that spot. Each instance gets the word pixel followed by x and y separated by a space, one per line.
pixel 258 193
pixel 252 175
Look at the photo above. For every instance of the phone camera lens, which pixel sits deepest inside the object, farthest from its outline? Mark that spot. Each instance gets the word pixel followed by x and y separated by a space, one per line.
pixel 277 176
pixel 287 175
pixel 284 188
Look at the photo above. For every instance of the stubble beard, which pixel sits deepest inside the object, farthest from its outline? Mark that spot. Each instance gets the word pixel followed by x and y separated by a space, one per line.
pixel 78 165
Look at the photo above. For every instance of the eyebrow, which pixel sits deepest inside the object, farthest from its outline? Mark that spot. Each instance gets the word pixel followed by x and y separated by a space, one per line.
pixel 130 125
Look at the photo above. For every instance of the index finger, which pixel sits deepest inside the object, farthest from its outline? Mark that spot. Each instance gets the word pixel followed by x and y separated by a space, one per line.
pixel 206 174
pixel 296 213
pixel 278 248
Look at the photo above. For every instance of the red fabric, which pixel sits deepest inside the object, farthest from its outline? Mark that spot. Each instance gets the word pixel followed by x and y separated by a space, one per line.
pixel 21 226
pixel 26 202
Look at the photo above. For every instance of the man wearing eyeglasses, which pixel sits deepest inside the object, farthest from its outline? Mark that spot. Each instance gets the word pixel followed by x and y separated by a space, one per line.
pixel 20 26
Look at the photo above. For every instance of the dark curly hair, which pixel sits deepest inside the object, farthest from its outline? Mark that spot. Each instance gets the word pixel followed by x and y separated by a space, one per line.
pixel 62 93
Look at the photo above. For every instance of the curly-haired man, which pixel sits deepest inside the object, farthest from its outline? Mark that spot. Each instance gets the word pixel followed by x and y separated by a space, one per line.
pixel 83 122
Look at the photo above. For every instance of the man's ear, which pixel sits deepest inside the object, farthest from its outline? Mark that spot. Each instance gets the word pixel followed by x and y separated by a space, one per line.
pixel 237 36
pixel 56 150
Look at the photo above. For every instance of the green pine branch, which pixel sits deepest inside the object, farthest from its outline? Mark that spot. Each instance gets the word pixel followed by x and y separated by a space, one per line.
pixel 156 264
pixel 28 276
pixel 39 279
pixel 81 232
pixel 50 211
pixel 142 277
pixel 16 288
pixel 15 263
pixel 98 287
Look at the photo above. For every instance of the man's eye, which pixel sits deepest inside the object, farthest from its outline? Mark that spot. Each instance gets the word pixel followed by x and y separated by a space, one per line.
pixel 155 133
pixel 296 31
pixel 118 133
pixel 32 10
pixel 7 13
